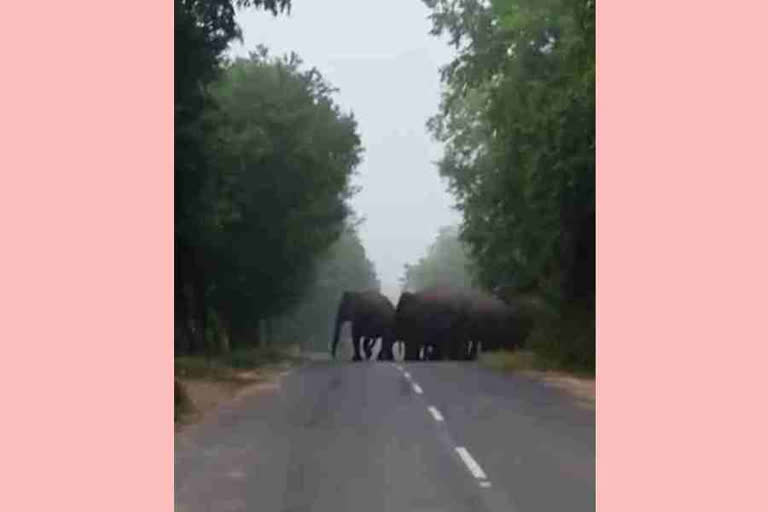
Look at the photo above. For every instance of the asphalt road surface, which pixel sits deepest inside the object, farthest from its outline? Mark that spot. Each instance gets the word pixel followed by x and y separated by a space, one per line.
pixel 422 436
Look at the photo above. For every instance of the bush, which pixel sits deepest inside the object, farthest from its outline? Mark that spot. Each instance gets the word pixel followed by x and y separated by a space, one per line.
pixel 253 358
pixel 566 339
pixel 515 360
pixel 222 367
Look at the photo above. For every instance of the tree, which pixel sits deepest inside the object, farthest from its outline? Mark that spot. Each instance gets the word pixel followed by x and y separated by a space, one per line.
pixel 284 154
pixel 517 120
pixel 446 263
pixel 202 31
pixel 343 267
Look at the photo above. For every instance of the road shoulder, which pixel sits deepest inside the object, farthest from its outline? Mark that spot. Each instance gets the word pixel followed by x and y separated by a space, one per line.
pixel 581 388
pixel 199 390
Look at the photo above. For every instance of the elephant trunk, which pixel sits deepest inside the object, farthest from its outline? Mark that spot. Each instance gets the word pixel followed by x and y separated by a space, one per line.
pixel 336 331
pixel 342 315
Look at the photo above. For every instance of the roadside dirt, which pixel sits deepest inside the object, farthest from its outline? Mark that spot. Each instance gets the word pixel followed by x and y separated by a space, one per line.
pixel 206 394
pixel 582 389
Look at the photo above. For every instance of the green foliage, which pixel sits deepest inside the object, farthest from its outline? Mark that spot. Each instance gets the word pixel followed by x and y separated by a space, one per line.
pixel 228 366
pixel 517 120
pixel 202 31
pixel 263 159
pixel 343 267
pixel 244 359
pixel 519 360
pixel 446 263
pixel 283 155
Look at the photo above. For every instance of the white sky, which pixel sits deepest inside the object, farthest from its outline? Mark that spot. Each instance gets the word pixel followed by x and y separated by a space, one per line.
pixel 385 63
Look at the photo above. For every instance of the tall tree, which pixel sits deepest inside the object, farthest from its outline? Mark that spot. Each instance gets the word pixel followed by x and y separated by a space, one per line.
pixel 284 155
pixel 517 119
pixel 202 31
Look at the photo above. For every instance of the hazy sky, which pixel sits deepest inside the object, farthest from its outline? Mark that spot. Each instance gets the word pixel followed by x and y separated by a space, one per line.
pixel 385 63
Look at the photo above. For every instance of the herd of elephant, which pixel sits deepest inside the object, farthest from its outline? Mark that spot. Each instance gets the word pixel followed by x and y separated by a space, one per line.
pixel 432 324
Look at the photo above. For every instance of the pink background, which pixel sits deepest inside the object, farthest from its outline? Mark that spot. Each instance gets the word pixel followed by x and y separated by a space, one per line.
pixel 86 202
pixel 86 268
pixel 681 393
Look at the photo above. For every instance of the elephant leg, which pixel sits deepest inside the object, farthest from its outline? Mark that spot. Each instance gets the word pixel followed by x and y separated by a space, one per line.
pixel 411 351
pixel 356 341
pixel 386 353
pixel 400 349
pixel 368 344
pixel 466 349
pixel 455 348
pixel 474 350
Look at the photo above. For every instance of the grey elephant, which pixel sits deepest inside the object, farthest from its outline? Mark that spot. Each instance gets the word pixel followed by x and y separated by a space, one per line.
pixel 490 323
pixel 372 316
pixel 453 323
pixel 433 321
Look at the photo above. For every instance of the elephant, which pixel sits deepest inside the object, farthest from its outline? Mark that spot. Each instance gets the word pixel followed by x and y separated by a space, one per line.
pixel 432 320
pixel 489 322
pixel 453 323
pixel 372 316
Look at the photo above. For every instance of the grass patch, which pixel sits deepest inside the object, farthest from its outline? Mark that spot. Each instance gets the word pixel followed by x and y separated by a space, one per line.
pixel 255 358
pixel 227 367
pixel 577 383
pixel 519 360
pixel 528 360
pixel 201 383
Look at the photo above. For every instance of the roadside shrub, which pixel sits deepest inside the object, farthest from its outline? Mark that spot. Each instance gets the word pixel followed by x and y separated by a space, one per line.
pixel 566 339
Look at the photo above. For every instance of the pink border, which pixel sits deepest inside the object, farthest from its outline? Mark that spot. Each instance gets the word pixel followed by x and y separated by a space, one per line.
pixel 86 202
pixel 86 207
pixel 682 183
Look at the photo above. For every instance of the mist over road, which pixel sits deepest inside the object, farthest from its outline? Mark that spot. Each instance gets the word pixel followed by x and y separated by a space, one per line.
pixel 423 436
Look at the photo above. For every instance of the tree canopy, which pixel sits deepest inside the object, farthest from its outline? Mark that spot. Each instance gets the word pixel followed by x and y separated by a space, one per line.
pixel 263 161
pixel 284 154
pixel 517 118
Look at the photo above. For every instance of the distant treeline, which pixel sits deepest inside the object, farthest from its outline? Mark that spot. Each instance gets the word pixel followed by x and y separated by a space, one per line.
pixel 344 267
pixel 446 263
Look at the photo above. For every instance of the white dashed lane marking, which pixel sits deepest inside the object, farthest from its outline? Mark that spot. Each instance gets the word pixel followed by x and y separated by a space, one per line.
pixel 435 413
pixel 473 466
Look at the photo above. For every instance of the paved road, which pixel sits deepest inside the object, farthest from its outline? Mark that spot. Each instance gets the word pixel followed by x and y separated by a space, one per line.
pixel 421 436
